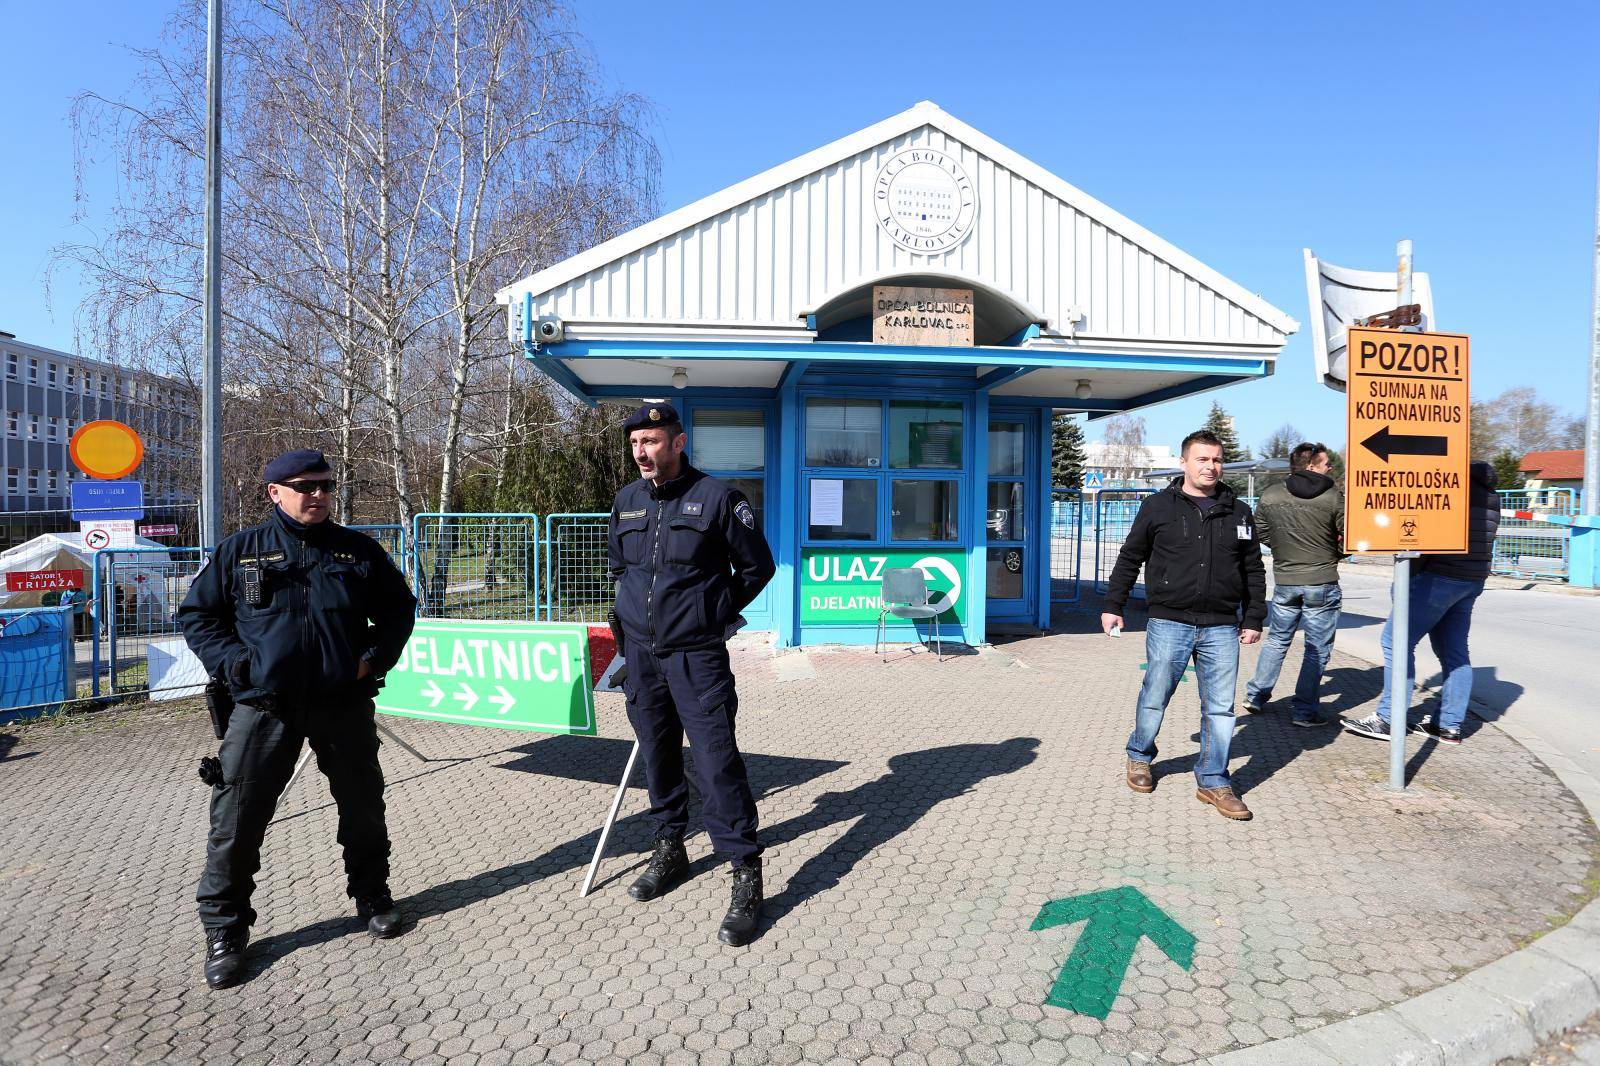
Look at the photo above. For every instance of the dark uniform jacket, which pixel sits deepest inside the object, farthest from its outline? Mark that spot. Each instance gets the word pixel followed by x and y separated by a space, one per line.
pixel 1302 521
pixel 329 598
pixel 1201 570
pixel 687 557
pixel 1483 522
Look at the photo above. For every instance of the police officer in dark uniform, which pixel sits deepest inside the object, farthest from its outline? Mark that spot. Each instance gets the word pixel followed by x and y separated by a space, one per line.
pixel 688 558
pixel 302 618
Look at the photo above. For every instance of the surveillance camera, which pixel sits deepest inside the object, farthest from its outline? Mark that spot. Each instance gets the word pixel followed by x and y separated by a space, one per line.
pixel 550 330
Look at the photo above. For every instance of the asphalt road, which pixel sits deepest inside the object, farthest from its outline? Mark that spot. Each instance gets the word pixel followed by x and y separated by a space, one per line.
pixel 1532 653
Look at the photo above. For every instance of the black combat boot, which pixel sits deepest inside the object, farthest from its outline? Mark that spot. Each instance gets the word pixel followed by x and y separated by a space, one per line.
pixel 667 866
pixel 383 918
pixel 744 911
pixel 225 956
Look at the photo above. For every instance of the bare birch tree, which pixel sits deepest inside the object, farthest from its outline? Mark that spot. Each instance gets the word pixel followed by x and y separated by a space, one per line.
pixel 388 165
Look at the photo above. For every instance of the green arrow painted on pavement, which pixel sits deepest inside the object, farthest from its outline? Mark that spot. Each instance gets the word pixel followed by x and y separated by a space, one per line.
pixel 1118 918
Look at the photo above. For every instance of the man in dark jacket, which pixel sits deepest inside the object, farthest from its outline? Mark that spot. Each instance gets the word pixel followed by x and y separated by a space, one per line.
pixel 1202 572
pixel 1302 521
pixel 302 617
pixel 688 556
pixel 1443 591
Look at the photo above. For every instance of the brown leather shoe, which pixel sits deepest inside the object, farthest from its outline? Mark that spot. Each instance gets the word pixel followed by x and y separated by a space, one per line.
pixel 1227 804
pixel 1139 777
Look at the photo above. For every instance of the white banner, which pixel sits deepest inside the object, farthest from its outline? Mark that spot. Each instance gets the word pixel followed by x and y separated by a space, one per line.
pixel 1339 296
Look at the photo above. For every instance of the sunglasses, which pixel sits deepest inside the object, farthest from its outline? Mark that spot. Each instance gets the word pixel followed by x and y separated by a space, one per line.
pixel 307 488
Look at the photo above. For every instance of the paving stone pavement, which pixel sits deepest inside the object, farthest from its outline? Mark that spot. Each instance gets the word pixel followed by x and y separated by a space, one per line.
pixel 917 814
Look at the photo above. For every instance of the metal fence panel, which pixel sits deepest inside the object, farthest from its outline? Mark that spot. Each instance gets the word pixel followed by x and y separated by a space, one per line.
pixel 476 565
pixel 1114 511
pixel 132 619
pixel 393 539
pixel 1526 544
pixel 1066 545
pixel 578 585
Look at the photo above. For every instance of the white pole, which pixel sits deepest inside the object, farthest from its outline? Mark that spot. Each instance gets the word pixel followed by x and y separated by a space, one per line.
pixel 1400 617
pixel 211 374
pixel 1591 444
pixel 611 818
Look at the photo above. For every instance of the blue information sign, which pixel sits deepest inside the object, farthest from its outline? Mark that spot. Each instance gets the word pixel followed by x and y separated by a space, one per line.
pixel 107 501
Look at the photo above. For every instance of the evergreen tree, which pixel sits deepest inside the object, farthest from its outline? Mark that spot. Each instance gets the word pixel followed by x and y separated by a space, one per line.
pixel 1067 453
pixel 1219 422
pixel 1508 469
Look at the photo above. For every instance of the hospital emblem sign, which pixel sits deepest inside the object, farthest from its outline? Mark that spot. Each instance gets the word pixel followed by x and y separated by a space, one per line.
pixel 924 200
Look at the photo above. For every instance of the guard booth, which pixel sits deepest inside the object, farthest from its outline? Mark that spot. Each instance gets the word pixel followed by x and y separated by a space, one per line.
pixel 871 341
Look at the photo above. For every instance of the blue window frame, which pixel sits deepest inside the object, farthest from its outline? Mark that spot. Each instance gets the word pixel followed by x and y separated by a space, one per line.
pixel 902 463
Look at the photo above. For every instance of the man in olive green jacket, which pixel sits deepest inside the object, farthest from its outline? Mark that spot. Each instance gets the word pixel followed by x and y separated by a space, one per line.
pixel 1302 521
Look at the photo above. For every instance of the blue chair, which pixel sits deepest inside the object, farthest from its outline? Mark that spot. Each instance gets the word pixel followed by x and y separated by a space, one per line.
pixel 905 595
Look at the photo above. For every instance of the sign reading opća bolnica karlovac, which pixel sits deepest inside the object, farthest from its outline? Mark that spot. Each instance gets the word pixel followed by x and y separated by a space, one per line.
pixel 514 675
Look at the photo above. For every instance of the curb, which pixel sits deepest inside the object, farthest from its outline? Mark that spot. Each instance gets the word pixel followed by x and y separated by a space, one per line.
pixel 1500 1010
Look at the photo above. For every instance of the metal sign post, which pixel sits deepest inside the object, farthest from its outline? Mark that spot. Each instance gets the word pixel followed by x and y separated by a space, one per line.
pixel 1400 635
pixel 1407 465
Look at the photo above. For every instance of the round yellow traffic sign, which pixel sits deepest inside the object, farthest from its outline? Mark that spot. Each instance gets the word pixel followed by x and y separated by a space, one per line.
pixel 106 450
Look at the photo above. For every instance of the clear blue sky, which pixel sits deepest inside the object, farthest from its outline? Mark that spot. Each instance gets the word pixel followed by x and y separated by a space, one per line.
pixel 1240 132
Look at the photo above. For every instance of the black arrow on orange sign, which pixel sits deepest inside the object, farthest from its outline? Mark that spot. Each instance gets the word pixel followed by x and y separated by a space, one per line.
pixel 1384 444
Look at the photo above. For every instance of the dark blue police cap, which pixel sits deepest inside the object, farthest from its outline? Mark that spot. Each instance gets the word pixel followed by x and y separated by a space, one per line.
pixel 650 416
pixel 293 464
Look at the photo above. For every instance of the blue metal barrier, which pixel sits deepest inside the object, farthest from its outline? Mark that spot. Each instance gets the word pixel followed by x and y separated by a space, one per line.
pixel 1066 545
pixel 37 667
pixel 1528 543
pixel 577 575
pixel 393 538
pixel 1114 511
pixel 476 565
pixel 135 598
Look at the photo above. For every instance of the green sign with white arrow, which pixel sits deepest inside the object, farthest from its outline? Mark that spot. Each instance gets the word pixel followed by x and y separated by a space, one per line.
pixel 1118 918
pixel 515 675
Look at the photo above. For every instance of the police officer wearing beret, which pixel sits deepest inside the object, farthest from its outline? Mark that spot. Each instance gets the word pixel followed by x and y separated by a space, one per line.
pixel 688 558
pixel 302 618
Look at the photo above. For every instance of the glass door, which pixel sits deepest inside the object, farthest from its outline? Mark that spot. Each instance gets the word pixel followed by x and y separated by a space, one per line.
pixel 1011 557
pixel 730 444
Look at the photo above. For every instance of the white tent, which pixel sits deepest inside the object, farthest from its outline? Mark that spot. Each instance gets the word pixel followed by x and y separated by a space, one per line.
pixel 142 578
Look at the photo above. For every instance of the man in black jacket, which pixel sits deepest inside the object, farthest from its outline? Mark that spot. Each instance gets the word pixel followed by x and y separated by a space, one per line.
pixel 302 617
pixel 1202 572
pixel 688 556
pixel 1443 591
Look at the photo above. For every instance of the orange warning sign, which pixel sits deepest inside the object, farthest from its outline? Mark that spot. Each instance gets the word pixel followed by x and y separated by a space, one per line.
pixel 106 450
pixel 1405 471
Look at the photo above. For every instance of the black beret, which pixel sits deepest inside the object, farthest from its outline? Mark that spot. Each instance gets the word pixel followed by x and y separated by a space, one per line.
pixel 650 416
pixel 293 464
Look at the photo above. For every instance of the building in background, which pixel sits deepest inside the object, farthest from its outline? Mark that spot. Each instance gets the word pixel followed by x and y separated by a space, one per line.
pixel 1548 471
pixel 46 395
pixel 872 340
pixel 1124 466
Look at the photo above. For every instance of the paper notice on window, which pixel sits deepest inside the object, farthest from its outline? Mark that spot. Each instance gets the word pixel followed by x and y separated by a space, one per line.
pixel 827 502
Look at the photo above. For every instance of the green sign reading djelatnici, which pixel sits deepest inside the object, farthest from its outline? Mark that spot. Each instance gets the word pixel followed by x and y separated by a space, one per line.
pixel 846 587
pixel 515 675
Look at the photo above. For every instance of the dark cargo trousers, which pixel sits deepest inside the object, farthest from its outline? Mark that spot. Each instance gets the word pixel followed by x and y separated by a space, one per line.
pixel 258 756
pixel 691 693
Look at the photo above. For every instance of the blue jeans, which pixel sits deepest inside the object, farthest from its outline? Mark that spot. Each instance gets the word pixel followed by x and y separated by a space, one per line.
pixel 1441 607
pixel 1316 607
pixel 1215 650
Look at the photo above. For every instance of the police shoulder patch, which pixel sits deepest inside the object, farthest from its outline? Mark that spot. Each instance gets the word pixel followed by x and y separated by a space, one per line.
pixel 743 513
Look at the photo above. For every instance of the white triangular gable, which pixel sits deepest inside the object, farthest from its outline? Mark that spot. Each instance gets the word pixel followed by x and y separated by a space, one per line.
pixel 761 255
